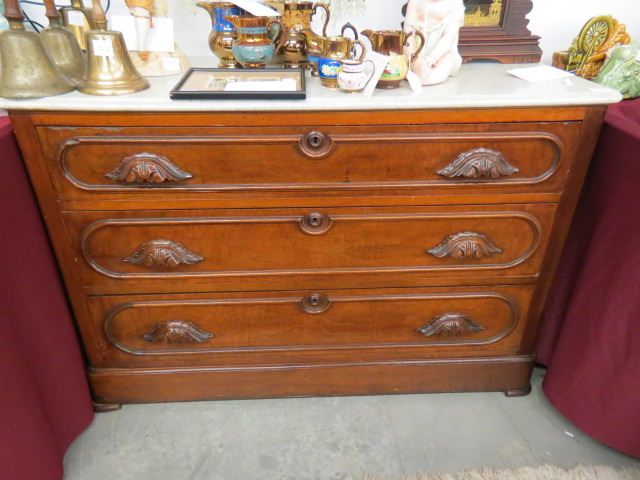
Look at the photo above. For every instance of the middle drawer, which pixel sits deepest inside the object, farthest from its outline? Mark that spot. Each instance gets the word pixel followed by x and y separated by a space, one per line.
pixel 140 252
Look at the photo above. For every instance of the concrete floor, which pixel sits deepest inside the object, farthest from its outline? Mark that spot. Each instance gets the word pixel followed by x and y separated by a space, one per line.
pixel 331 438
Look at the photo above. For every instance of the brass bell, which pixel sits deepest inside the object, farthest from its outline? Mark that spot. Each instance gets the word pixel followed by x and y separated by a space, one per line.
pixel 63 46
pixel 110 70
pixel 26 68
pixel 79 20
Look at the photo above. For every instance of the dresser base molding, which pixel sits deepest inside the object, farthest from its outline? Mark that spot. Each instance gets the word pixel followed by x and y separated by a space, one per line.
pixel 501 374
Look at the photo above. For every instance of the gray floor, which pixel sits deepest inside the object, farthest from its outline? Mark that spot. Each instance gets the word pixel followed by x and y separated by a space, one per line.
pixel 331 438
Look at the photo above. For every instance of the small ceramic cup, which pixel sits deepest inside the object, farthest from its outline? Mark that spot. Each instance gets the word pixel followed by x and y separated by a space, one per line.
pixel 353 77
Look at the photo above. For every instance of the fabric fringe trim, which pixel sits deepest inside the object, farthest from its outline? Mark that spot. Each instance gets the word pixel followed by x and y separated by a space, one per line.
pixel 546 472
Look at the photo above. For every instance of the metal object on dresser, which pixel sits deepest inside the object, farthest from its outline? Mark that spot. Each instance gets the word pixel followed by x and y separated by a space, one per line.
pixel 63 46
pixel 110 70
pixel 26 68
pixel 223 33
pixel 255 45
pixel 79 20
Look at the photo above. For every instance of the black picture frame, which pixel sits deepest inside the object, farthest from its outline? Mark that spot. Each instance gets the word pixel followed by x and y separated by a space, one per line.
pixel 179 92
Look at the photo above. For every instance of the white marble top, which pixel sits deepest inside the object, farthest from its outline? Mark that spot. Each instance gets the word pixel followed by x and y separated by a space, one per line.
pixel 478 85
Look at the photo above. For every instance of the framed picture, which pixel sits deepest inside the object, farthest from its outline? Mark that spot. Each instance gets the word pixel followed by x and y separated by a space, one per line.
pixel 240 84
pixel 497 30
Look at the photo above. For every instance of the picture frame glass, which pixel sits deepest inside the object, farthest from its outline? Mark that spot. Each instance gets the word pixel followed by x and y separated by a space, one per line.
pixel 242 81
pixel 483 13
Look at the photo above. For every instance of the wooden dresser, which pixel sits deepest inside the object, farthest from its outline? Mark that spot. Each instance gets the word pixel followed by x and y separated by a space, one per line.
pixel 307 250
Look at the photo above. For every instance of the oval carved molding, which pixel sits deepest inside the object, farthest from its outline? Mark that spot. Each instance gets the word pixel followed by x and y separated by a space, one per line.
pixel 147 168
pixel 530 220
pixel 479 163
pixel 177 332
pixel 162 254
pixel 452 324
pixel 74 143
pixel 139 349
pixel 465 245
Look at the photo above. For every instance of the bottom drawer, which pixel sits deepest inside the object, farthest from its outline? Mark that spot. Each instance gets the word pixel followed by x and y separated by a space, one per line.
pixel 324 326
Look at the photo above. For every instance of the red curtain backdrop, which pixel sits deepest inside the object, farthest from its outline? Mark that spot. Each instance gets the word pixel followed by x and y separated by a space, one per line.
pixel 590 336
pixel 44 397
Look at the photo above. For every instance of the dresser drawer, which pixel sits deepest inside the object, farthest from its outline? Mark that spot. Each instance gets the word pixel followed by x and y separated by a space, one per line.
pixel 160 163
pixel 292 326
pixel 139 252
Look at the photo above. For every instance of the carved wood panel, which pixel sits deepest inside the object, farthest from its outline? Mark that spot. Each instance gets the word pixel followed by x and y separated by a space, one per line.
pixel 311 321
pixel 465 245
pixel 162 254
pixel 150 168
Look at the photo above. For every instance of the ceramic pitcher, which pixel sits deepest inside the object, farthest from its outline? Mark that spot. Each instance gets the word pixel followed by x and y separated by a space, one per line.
pixel 312 41
pixel 223 33
pixel 392 44
pixel 335 50
pixel 254 47
pixel 353 77
pixel 296 18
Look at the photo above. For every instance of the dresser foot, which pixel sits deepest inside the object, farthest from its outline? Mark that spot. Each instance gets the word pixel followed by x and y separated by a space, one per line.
pixel 522 392
pixel 106 407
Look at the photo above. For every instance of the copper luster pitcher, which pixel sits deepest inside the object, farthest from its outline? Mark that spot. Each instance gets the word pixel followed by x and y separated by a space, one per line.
pixel 223 33
pixel 255 45
pixel 392 43
pixel 296 18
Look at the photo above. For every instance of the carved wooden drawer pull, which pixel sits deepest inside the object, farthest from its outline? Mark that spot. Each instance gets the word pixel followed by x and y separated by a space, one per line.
pixel 147 168
pixel 450 324
pixel 177 331
pixel 315 223
pixel 465 245
pixel 316 145
pixel 162 254
pixel 479 163
pixel 315 304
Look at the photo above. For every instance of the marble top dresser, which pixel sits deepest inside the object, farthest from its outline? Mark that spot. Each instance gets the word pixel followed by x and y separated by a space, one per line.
pixel 334 246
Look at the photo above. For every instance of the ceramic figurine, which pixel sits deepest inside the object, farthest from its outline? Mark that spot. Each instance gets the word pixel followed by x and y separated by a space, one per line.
pixel 352 76
pixel 622 71
pixel 589 49
pixel 153 64
pixel 439 21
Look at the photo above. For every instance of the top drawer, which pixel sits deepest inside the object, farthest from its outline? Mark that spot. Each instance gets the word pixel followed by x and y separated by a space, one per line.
pixel 149 164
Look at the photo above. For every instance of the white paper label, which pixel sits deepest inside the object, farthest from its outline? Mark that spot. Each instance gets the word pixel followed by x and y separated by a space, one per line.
pixel 539 73
pixel 256 8
pixel 380 63
pixel 170 64
pixel 102 47
pixel 161 38
pixel 284 85
pixel 75 17
pixel 414 82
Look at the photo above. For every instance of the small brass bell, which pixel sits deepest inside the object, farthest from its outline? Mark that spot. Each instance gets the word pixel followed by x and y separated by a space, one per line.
pixel 110 70
pixel 26 68
pixel 79 20
pixel 63 46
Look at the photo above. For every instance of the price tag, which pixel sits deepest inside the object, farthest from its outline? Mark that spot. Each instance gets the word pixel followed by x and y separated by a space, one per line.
pixel 414 82
pixel 102 47
pixel 76 17
pixel 171 64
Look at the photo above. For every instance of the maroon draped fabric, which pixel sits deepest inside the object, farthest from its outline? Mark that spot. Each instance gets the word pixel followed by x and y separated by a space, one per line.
pixel 44 397
pixel 590 334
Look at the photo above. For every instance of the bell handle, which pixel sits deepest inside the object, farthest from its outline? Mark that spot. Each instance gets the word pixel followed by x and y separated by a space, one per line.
pixel 360 43
pixel 420 35
pixel 281 36
pixel 326 9
pixel 12 11
pixel 99 16
pixel 349 26
pixel 51 12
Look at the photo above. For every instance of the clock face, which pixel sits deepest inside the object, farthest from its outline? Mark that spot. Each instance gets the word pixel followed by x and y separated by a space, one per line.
pixel 483 13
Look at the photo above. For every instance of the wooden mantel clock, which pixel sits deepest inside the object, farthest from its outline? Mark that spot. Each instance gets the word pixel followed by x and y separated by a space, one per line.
pixel 497 30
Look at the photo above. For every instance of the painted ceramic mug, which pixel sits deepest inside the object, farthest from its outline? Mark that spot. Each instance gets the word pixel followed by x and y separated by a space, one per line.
pixel 353 77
